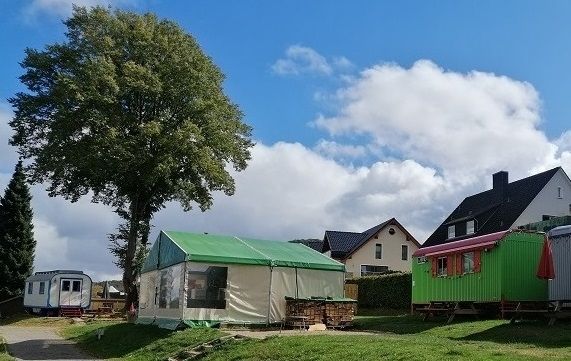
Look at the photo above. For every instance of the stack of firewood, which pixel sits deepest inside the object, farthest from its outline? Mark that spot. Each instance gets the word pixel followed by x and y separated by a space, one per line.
pixel 339 314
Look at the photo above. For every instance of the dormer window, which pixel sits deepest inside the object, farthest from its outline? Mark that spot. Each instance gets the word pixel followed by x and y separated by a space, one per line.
pixel 470 227
pixel 451 231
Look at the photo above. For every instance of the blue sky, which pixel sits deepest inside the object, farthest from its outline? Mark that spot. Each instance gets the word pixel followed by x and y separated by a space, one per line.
pixel 362 111
pixel 525 40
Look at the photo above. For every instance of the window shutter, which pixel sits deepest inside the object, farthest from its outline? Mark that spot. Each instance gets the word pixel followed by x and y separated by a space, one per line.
pixel 434 266
pixel 450 265
pixel 459 264
pixel 477 261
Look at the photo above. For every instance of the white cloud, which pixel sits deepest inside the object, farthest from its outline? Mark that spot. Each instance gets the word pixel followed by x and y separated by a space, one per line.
pixel 462 124
pixel 305 60
pixel 441 135
pixel 63 8
pixel 336 150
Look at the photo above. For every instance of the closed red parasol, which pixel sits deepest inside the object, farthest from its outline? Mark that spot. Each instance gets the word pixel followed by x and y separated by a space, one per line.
pixel 545 269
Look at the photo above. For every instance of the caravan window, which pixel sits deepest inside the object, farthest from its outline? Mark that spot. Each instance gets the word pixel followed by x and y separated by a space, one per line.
pixel 42 288
pixel 468 262
pixel 65 286
pixel 442 266
pixel 207 287
pixel 76 286
pixel 169 290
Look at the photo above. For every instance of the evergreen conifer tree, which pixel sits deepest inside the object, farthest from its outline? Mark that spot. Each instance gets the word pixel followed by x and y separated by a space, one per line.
pixel 17 243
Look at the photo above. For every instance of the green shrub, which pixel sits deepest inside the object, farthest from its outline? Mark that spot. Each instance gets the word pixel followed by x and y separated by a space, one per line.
pixel 386 291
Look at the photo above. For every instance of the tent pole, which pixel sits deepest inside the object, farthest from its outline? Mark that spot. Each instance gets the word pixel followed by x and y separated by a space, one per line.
pixel 270 295
pixel 296 287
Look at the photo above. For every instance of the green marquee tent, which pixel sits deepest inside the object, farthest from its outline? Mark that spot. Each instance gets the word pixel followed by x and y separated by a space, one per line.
pixel 203 278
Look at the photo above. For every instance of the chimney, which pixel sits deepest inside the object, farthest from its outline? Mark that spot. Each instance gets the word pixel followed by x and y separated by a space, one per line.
pixel 500 183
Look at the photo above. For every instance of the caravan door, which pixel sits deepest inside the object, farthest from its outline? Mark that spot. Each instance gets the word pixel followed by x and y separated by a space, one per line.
pixel 70 292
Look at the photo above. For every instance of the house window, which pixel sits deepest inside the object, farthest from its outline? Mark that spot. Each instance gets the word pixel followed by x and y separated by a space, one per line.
pixel 76 286
pixel 442 266
pixel 378 251
pixel 371 270
pixel 451 231
pixel 404 252
pixel 470 227
pixel 30 287
pixel 468 262
pixel 559 192
pixel 207 287
pixel 42 288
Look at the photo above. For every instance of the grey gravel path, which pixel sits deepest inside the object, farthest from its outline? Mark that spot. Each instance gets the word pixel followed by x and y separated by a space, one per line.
pixel 40 343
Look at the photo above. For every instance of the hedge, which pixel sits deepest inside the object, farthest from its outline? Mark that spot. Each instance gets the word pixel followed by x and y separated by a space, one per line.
pixel 391 291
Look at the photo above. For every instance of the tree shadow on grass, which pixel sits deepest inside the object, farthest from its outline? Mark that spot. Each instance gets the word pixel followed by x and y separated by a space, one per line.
pixel 402 325
pixel 123 339
pixel 536 333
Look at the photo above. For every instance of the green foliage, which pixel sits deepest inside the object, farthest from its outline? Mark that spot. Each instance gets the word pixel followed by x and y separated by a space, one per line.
pixel 129 110
pixel 393 291
pixel 17 243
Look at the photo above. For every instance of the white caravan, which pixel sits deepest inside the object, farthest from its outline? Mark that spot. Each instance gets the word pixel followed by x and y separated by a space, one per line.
pixel 60 292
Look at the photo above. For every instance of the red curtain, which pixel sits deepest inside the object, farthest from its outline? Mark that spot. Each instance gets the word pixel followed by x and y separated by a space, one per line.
pixel 477 261
pixel 459 265
pixel 546 269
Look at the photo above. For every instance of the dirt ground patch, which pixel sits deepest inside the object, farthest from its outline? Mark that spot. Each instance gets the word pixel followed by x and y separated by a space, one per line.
pixel 40 343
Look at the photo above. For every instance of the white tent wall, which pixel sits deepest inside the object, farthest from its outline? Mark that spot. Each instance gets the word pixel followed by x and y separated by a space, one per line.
pixel 147 286
pixel 307 283
pixel 247 294
pixel 162 293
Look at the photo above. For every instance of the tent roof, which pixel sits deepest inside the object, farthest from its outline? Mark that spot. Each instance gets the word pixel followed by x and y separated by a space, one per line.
pixel 173 247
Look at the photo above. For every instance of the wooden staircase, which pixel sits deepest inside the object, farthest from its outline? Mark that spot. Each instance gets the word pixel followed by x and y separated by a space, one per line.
pixel 71 312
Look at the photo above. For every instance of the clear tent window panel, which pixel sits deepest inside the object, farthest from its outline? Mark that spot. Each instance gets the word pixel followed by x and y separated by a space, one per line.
pixel 207 287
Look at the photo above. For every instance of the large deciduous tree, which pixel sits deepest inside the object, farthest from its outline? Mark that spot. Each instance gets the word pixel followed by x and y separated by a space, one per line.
pixel 130 111
pixel 17 243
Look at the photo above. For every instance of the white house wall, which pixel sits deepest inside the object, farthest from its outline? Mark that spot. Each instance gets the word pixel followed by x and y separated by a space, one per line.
pixel 547 201
pixel 391 255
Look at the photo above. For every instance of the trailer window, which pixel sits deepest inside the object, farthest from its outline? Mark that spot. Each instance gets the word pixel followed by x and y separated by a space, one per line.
pixel 468 262
pixel 442 266
pixel 76 286
pixel 207 287
pixel 30 287
pixel 42 288
pixel 65 286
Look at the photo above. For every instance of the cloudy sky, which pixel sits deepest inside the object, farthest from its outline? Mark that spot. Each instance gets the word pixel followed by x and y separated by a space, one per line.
pixel 360 112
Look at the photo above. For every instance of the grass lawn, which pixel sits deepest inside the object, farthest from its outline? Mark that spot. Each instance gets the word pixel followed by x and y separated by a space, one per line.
pixel 135 342
pixel 3 353
pixel 396 338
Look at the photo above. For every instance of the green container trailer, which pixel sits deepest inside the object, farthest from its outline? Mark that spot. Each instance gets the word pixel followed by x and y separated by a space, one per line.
pixel 493 268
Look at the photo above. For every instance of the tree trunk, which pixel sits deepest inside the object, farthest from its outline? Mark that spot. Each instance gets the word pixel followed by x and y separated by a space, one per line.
pixel 139 218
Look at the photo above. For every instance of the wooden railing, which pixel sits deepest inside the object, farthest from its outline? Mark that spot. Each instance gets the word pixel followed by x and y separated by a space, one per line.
pixel 111 305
